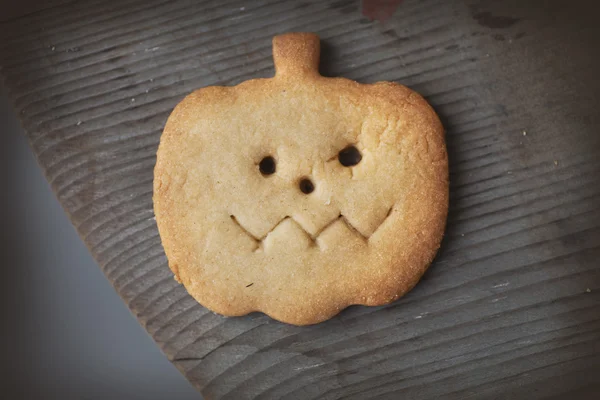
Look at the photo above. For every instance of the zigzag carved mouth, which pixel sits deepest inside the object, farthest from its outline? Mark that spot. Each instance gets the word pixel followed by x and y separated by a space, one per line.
pixel 342 218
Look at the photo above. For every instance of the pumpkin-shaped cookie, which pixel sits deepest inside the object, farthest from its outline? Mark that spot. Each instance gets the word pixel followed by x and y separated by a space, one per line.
pixel 300 195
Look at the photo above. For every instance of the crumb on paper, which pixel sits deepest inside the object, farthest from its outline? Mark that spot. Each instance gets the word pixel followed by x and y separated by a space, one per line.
pixel 53 48
pixel 555 162
pixel 133 100
pixel 524 133
pixel 78 123
pixel 588 290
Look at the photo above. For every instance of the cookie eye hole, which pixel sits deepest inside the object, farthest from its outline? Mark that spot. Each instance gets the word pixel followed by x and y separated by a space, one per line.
pixel 306 186
pixel 349 156
pixel 267 166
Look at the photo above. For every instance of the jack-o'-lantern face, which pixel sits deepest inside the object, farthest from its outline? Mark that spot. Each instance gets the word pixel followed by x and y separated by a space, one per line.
pixel 300 195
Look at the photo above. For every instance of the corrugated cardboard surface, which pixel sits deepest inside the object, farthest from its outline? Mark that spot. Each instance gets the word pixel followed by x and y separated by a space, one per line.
pixel 510 306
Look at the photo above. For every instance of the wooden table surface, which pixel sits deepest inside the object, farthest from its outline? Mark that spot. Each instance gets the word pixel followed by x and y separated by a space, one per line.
pixel 511 306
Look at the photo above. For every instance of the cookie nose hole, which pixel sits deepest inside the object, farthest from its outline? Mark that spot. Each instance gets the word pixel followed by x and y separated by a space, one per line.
pixel 306 186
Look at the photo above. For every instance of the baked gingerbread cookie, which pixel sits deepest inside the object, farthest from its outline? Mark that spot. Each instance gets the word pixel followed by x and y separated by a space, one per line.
pixel 300 195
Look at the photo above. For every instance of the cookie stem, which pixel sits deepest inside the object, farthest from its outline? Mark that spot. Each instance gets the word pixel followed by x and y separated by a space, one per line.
pixel 296 54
